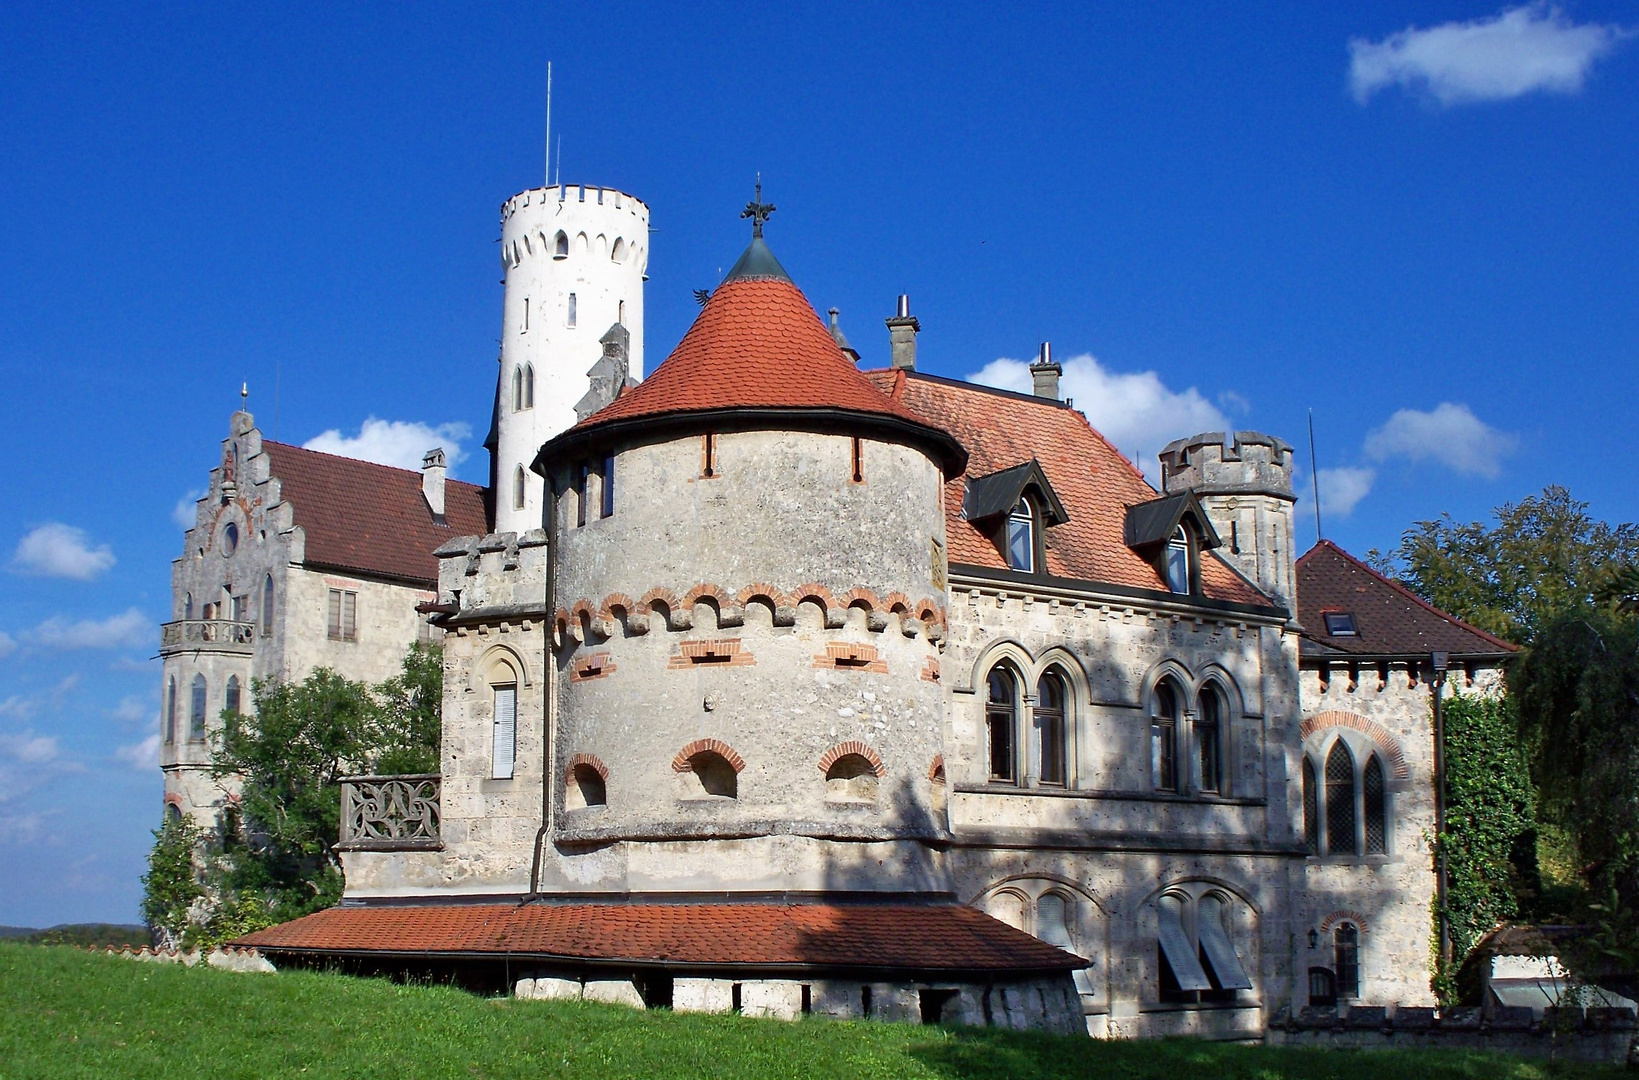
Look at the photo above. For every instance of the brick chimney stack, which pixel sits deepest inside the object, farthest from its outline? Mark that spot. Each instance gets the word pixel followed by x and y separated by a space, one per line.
pixel 432 481
pixel 1045 373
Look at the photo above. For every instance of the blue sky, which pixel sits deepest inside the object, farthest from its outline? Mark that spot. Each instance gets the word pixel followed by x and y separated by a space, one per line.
pixel 1417 219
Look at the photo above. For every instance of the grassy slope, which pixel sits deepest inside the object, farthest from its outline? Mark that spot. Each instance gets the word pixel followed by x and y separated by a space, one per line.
pixel 69 1014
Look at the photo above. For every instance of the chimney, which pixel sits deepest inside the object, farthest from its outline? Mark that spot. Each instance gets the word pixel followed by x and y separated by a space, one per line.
pixel 432 482
pixel 840 338
pixel 1045 372
pixel 902 331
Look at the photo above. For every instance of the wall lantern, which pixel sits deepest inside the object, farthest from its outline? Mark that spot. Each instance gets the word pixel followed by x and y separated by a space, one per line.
pixel 1314 938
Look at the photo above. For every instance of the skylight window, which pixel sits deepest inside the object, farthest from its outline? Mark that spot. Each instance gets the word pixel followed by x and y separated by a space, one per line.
pixel 1340 624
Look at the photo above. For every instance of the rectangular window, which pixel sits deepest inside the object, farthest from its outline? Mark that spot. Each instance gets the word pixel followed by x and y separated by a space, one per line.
pixel 607 507
pixel 1163 753
pixel 342 622
pixel 580 494
pixel 239 605
pixel 570 320
pixel 505 736
pixel 526 315
pixel 708 456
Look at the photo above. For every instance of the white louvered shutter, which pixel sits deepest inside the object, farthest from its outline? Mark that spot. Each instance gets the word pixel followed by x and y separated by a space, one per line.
pixel 506 732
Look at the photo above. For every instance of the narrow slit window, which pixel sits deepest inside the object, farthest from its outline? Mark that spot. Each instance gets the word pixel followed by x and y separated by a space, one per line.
pixel 607 502
pixel 196 709
pixel 170 711
pixel 1311 809
pixel 857 456
pixel 1209 742
pixel 580 494
pixel 1377 839
pixel 708 456
pixel 570 318
pixel 267 606
pixel 526 315
pixel 1340 816
pixel 519 488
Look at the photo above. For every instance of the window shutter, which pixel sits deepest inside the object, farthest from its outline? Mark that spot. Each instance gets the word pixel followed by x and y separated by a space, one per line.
pixel 333 619
pixel 1176 947
pixel 505 733
pixel 349 615
pixel 1219 952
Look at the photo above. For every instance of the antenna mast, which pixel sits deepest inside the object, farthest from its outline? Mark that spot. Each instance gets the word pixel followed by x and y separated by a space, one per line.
pixel 548 180
pixel 1314 473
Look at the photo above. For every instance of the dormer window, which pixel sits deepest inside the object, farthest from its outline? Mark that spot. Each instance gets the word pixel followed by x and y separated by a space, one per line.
pixel 1177 561
pixel 1021 537
pixel 1340 624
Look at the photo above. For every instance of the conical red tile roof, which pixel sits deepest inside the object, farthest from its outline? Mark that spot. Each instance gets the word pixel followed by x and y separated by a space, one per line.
pixel 756 345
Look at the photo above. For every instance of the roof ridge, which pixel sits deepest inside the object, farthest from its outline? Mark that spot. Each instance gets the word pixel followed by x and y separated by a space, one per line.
pixel 363 461
pixel 1407 593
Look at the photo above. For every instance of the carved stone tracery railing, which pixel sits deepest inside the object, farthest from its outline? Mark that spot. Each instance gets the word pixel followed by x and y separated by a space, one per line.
pixel 390 813
pixel 209 635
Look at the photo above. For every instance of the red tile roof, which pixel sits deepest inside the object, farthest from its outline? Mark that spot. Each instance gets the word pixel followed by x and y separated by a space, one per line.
pixel 1390 618
pixel 371 519
pixel 947 937
pixel 1096 484
pixel 757 344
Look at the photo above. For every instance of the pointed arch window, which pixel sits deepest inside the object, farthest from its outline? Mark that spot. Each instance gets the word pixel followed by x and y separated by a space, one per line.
pixel 1311 809
pixel 231 698
pixel 187 605
pixel 1052 748
pixel 560 246
pixel 1001 714
pixel 1374 806
pixel 1178 561
pixel 1340 815
pixel 1021 537
pixel 1209 741
pixel 529 387
pixel 1164 718
pixel 519 488
pixel 196 709
pixel 267 606
pixel 170 710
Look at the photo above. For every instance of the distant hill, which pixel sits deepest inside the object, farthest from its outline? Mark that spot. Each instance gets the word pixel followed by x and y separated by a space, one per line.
pixel 80 934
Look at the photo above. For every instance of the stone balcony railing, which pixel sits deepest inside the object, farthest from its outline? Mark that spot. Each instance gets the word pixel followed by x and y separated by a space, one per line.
pixel 207 635
pixel 390 813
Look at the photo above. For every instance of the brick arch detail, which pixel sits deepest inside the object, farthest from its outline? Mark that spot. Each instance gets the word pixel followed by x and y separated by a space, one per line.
pixel 1374 731
pixel 1336 917
pixel 617 602
pixel 862 597
pixel 936 769
pixel 896 602
pixel 664 596
pixel 591 761
pixel 851 746
pixel 761 590
pixel 815 591
pixel 680 763
pixel 705 590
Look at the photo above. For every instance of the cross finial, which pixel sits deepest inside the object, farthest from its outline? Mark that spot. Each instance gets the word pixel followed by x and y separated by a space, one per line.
pixel 757 210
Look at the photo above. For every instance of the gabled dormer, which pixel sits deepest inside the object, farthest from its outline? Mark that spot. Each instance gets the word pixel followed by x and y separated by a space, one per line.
pixel 1014 507
pixel 1170 533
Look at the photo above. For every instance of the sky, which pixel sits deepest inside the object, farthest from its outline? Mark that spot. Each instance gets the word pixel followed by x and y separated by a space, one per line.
pixel 1418 220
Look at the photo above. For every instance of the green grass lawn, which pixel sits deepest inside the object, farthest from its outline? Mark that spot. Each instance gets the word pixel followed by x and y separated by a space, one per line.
pixel 65 1013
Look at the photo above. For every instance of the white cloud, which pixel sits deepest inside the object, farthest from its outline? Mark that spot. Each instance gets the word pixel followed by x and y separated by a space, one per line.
pixel 140 756
pixel 29 748
pixel 20 707
pixel 186 511
pixel 8 644
pixel 133 709
pixel 1450 435
pixel 1342 488
pixel 58 550
pixel 401 443
pixel 1134 410
pixel 129 630
pixel 1525 49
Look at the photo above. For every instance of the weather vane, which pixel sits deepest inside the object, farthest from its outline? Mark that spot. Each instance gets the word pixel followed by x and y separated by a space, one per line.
pixel 757 210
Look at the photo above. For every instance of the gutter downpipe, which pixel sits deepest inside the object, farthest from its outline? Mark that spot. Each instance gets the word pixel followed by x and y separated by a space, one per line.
pixel 549 720
pixel 1440 661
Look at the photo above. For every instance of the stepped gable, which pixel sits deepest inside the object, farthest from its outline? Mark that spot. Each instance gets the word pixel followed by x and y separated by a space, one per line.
pixel 1096 484
pixel 365 518
pixel 914 937
pixel 758 344
pixel 1390 619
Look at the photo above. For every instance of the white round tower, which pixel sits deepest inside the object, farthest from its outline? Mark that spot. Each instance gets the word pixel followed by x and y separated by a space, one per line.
pixel 575 259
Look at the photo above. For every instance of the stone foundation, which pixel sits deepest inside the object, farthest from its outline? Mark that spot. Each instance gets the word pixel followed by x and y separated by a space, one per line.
pixel 1592 1035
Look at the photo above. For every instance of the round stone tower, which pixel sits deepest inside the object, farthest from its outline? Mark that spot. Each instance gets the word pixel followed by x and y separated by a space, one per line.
pixel 1244 482
pixel 575 259
pixel 748 616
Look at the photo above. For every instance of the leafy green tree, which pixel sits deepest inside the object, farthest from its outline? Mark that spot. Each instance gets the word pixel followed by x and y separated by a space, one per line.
pixel 171 887
pixel 1544 557
pixel 409 728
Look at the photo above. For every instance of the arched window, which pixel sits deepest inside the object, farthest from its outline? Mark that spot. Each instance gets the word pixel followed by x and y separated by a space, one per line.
pixel 1051 730
pixel 618 252
pixel 1340 839
pixel 1164 718
pixel 1376 819
pixel 187 605
pixel 529 386
pixel 560 246
pixel 196 709
pixel 231 699
pixel 518 488
pixel 851 778
pixel 1001 715
pixel 713 775
pixel 1311 809
pixel 1021 537
pixel 1346 951
pixel 1053 920
pixel 1209 741
pixel 267 606
pixel 504 732
pixel 170 710
pixel 1178 561
pixel 173 812
pixel 517 388
pixel 586 788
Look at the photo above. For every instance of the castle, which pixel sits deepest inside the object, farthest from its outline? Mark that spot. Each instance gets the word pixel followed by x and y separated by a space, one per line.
pixel 776 685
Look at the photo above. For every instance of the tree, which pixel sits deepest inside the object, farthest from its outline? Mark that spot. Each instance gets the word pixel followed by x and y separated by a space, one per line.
pixel 1544 557
pixel 171 887
pixel 408 718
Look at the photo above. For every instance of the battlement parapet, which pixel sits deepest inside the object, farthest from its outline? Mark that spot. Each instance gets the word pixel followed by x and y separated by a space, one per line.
pixel 1220 463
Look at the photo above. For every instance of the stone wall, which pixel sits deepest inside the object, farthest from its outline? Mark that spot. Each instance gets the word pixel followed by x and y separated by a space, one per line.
pixel 1593 1035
